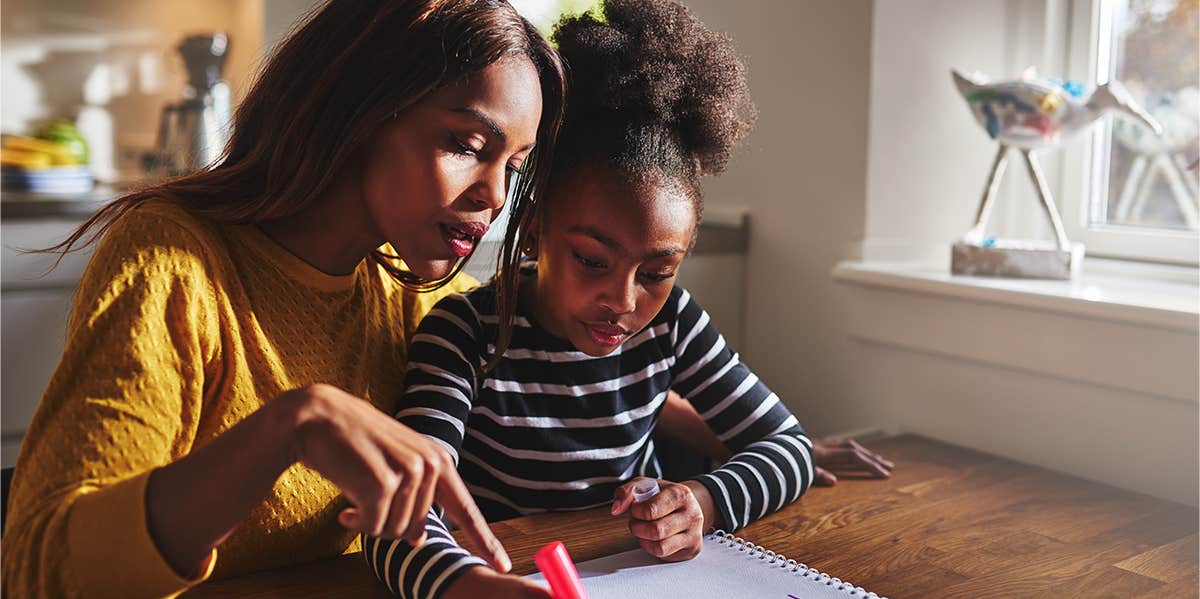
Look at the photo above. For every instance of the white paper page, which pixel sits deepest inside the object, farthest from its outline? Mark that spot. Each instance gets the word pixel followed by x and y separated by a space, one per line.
pixel 719 572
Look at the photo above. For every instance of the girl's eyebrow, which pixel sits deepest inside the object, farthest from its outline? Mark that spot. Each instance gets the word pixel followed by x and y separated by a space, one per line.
pixel 664 253
pixel 616 246
pixel 487 122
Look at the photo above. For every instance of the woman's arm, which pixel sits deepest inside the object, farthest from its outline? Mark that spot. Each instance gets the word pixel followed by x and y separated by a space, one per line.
pixel 112 496
pixel 679 422
pixel 390 473
pixel 141 334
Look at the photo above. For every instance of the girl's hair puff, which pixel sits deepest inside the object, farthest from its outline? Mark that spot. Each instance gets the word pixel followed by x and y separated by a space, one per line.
pixel 650 89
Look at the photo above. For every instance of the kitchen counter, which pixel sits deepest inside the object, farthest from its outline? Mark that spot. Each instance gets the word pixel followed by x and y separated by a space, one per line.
pixel 25 205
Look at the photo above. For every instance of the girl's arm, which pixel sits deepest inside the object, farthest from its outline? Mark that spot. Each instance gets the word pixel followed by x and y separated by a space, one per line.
pixel 772 462
pixel 439 389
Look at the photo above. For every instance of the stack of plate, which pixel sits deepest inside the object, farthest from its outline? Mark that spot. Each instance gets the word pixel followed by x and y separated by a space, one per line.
pixel 54 180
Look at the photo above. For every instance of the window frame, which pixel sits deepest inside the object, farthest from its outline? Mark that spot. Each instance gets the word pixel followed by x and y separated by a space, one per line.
pixel 1084 172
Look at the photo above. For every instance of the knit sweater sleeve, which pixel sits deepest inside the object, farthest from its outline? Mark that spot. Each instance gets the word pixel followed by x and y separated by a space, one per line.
pixel 772 462
pixel 124 399
pixel 439 390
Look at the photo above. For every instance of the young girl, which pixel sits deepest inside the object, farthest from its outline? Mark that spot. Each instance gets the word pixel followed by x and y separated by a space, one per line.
pixel 237 342
pixel 560 416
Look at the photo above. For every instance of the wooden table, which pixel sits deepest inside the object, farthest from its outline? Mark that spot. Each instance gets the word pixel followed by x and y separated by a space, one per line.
pixel 951 522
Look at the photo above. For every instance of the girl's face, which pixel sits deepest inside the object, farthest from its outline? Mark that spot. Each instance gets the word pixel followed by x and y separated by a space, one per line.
pixel 436 176
pixel 608 254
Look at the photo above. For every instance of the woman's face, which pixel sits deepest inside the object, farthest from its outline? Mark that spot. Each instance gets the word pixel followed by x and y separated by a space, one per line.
pixel 608 254
pixel 436 176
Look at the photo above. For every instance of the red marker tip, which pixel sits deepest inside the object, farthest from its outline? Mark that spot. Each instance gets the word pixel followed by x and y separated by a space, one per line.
pixel 559 570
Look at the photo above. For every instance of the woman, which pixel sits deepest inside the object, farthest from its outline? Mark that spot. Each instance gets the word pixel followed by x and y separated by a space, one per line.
pixel 231 323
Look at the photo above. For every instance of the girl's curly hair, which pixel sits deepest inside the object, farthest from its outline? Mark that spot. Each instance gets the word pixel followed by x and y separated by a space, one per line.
pixel 651 89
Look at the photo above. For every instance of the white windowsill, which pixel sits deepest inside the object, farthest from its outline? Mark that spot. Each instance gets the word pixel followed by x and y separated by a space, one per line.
pixel 1159 296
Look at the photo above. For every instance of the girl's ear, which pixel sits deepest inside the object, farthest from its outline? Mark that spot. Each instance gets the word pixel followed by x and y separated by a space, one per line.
pixel 529 237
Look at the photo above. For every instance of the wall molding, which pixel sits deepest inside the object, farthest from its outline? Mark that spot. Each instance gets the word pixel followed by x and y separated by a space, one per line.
pixel 1146 350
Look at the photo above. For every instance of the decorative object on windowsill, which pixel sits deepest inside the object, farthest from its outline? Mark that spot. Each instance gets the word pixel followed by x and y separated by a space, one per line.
pixel 1029 114
pixel 1162 157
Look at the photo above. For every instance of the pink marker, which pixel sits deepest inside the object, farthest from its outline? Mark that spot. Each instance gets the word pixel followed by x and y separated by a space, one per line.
pixel 559 570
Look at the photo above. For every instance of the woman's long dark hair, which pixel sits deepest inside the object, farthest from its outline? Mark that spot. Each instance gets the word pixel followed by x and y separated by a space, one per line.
pixel 330 85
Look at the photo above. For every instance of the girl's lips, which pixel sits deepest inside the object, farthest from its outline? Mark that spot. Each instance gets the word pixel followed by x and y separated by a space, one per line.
pixel 605 335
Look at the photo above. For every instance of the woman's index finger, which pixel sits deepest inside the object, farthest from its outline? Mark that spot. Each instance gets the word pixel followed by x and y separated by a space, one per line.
pixel 456 500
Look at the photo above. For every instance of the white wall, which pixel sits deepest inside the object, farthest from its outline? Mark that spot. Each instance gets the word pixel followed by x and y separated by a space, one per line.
pixel 1109 395
pixel 928 161
pixel 864 148
pixel 802 174
pixel 279 17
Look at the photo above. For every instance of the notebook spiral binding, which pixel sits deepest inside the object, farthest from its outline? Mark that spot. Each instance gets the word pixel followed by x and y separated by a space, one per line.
pixel 770 558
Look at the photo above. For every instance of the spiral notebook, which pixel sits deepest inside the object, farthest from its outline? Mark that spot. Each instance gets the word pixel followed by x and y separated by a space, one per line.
pixel 727 566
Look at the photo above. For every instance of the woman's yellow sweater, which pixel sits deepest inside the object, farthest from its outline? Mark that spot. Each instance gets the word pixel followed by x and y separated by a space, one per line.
pixel 181 328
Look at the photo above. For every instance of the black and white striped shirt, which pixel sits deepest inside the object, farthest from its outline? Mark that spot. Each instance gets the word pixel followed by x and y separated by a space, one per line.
pixel 551 428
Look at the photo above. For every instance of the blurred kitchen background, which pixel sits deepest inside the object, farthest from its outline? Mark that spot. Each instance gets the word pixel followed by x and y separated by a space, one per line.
pixel 112 65
pixel 106 72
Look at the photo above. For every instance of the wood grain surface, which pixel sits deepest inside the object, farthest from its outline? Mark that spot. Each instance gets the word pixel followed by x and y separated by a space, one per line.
pixel 951 522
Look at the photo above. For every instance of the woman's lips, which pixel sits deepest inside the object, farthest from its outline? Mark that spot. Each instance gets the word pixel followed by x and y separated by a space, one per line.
pixel 471 228
pixel 462 237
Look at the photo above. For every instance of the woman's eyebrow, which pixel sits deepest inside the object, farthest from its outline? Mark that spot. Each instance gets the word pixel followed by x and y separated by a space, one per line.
pixel 483 119
pixel 488 122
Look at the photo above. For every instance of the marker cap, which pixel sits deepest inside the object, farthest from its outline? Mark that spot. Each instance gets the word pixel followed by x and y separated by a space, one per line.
pixel 644 489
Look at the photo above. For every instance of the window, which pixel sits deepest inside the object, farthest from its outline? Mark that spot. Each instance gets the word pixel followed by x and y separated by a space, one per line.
pixel 1132 194
pixel 544 13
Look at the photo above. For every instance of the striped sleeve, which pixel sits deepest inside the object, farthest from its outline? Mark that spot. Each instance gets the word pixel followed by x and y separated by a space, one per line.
pixel 772 463
pixel 419 572
pixel 439 388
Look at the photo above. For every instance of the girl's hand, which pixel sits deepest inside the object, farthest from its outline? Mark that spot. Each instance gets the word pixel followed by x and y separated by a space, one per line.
pixel 846 457
pixel 389 472
pixel 670 525
pixel 485 582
